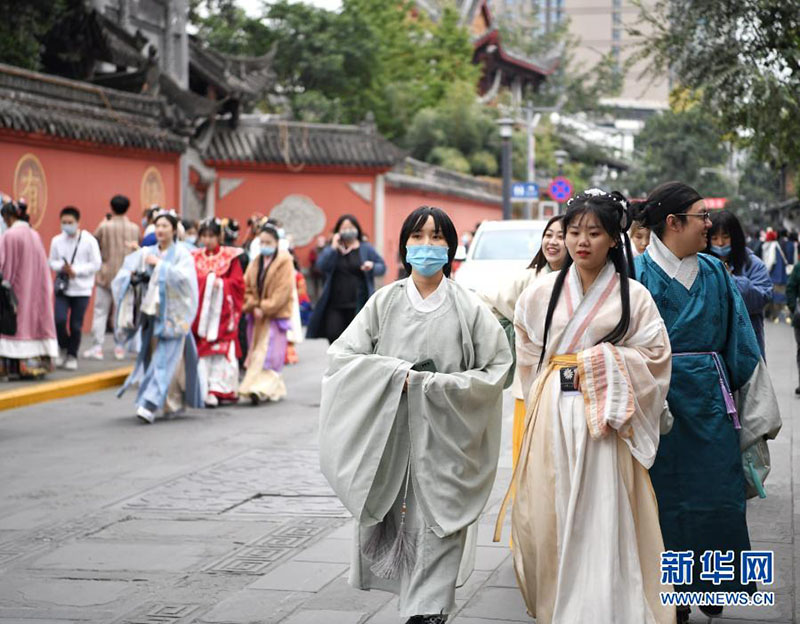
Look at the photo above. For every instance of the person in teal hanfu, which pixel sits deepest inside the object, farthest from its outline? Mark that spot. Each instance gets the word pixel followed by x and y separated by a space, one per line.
pixel 722 404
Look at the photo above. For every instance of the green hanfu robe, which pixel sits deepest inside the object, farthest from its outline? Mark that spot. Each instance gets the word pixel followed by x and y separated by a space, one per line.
pixel 698 475
pixel 443 432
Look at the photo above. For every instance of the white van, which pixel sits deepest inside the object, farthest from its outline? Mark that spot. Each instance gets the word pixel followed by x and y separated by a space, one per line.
pixel 499 248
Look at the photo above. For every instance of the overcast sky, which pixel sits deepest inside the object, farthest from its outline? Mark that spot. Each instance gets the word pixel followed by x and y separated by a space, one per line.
pixel 253 6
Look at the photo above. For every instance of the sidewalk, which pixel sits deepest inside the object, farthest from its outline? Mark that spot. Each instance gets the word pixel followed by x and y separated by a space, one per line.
pixel 91 376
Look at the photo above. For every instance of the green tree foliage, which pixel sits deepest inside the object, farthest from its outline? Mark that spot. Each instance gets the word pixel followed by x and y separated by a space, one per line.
pixel 23 26
pixel 685 145
pixel 741 56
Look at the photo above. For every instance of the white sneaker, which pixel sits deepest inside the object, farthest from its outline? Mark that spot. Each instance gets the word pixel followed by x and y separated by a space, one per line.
pixel 61 358
pixel 146 415
pixel 119 353
pixel 95 353
pixel 211 400
pixel 71 363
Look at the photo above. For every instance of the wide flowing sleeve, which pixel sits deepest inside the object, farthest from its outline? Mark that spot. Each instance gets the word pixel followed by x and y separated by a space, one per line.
pixel 361 394
pixel 280 289
pixel 455 423
pixel 755 286
pixel 625 385
pixel 528 333
pixel 179 297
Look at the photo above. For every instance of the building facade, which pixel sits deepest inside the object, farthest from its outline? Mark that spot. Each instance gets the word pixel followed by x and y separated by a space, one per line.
pixel 596 28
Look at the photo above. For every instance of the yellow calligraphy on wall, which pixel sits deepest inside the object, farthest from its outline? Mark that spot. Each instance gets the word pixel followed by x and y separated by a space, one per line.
pixel 152 191
pixel 30 184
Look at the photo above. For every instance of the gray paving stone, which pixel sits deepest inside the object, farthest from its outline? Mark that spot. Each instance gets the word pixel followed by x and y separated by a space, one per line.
pixel 62 592
pixel 300 576
pixel 339 596
pixel 498 603
pixel 324 617
pixel 124 557
pixel 488 558
pixel 179 530
pixel 503 576
pixel 388 614
pixel 327 551
pixel 254 607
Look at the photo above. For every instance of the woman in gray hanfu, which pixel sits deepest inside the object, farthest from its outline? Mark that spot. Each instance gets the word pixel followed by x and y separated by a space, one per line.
pixel 410 424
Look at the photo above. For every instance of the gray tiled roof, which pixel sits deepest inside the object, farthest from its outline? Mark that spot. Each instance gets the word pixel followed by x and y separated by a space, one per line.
pixel 296 143
pixel 36 103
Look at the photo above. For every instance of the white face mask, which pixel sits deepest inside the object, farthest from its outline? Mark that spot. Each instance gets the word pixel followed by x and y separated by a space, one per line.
pixel 69 228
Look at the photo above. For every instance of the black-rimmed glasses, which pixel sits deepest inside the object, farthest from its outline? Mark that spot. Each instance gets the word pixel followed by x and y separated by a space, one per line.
pixel 706 215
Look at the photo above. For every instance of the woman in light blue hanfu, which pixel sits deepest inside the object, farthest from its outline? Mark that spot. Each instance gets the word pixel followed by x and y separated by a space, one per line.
pixel 155 292
pixel 720 397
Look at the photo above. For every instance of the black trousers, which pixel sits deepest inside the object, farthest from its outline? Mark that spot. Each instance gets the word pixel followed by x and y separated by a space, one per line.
pixel 336 321
pixel 69 321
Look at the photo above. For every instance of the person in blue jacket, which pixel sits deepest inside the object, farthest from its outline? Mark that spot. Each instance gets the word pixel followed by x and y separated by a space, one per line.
pixel 726 241
pixel 349 266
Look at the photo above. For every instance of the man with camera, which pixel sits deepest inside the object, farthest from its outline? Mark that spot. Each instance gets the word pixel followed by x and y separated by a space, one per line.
pixel 75 258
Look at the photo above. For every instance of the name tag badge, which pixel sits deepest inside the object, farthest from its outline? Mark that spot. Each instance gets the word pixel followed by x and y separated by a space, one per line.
pixel 567 378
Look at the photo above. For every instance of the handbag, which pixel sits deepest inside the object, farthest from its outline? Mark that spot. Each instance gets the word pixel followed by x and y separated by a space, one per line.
pixel 61 282
pixel 8 308
pixel 756 465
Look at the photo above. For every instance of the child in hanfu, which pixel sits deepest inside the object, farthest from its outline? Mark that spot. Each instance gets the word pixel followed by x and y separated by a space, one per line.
pixel 155 291
pixel 594 359
pixel 410 424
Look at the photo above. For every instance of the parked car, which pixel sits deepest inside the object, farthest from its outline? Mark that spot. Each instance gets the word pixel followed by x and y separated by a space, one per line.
pixel 499 248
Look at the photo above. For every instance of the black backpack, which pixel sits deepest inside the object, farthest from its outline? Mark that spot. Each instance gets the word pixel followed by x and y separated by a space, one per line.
pixel 8 308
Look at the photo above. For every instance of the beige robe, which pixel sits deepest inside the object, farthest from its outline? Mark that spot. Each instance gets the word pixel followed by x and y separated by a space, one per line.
pixel 586 534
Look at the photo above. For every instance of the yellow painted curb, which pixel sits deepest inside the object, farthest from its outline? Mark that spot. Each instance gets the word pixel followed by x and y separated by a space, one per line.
pixel 39 392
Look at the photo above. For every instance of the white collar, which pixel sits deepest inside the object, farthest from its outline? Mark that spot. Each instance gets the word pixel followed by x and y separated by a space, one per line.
pixel 431 302
pixel 685 270
pixel 20 223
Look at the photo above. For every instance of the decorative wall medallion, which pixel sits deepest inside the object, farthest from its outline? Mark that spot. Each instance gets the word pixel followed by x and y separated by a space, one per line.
pixel 152 191
pixel 301 218
pixel 30 183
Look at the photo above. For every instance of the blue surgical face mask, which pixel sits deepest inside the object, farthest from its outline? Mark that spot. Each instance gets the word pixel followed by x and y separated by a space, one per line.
pixel 427 259
pixel 267 250
pixel 722 252
pixel 69 228
pixel 192 240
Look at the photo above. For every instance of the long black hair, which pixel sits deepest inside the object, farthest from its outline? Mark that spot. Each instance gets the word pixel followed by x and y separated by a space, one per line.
pixel 724 221
pixel 441 223
pixel 539 261
pixel 611 210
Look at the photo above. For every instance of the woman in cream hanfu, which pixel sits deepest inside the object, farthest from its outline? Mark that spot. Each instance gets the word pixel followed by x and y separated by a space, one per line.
pixel 156 291
pixel 410 424
pixel 268 303
pixel 594 360
pixel 221 286
pixel 503 301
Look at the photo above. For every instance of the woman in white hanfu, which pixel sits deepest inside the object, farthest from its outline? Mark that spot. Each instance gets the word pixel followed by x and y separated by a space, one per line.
pixel 410 424
pixel 594 359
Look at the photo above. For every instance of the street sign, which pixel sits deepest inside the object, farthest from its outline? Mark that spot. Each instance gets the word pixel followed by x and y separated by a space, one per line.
pixel 716 203
pixel 524 191
pixel 560 189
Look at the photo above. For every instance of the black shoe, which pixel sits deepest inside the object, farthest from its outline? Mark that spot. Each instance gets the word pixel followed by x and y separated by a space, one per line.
pixel 711 610
pixel 683 615
pixel 797 391
pixel 427 619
